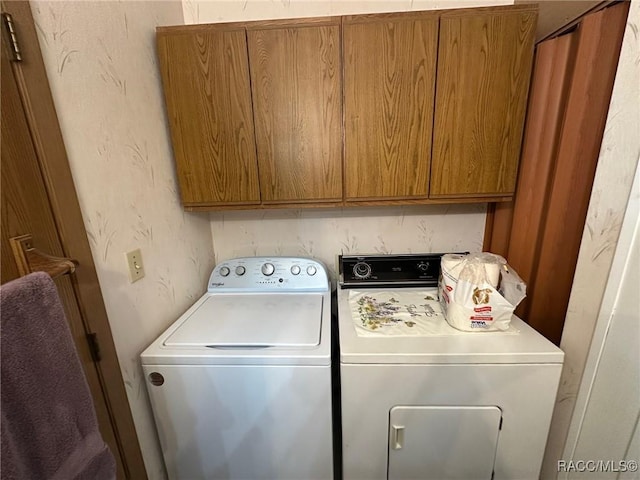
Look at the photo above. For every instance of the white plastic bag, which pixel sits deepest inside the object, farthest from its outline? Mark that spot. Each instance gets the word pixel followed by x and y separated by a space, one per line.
pixel 479 291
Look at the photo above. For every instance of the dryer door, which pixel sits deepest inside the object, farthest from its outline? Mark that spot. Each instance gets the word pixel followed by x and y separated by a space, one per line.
pixel 443 443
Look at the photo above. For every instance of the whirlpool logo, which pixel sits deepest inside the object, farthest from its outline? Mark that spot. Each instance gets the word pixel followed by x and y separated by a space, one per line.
pixel 217 284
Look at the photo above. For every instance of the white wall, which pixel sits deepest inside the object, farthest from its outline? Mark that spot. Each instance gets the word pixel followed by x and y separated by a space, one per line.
pixel 617 163
pixel 101 63
pixel 605 419
pixel 212 11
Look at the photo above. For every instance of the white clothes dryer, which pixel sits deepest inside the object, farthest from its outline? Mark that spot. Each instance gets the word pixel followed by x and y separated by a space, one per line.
pixel 240 385
pixel 425 401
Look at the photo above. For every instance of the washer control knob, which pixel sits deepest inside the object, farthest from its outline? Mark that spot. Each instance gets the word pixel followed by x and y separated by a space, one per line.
pixel 295 270
pixel 423 266
pixel 224 271
pixel 311 270
pixel 362 270
pixel 240 270
pixel 268 269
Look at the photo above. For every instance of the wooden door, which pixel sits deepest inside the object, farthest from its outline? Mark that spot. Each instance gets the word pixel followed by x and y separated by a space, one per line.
pixel 484 65
pixel 598 47
pixel 297 104
pixel 389 78
pixel 38 198
pixel 540 232
pixel 205 73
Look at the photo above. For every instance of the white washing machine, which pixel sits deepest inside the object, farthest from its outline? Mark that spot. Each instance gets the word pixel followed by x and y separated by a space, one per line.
pixel 421 400
pixel 240 385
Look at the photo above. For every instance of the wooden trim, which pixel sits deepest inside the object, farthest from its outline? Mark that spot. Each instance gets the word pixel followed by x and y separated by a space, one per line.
pixel 497 10
pixel 211 208
pixel 498 228
pixel 391 16
pixel 382 203
pixel 343 119
pixel 488 227
pixel 249 25
pixel 268 203
pixel 294 23
pixel 214 205
pixel 373 203
pixel 429 201
pixel 488 197
pixel 417 198
pixel 347 203
pixel 420 14
pixel 164 31
pixel 47 137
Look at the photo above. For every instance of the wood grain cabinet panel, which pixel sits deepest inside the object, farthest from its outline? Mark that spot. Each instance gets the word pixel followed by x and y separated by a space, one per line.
pixel 389 77
pixel 401 108
pixel 297 104
pixel 207 91
pixel 484 66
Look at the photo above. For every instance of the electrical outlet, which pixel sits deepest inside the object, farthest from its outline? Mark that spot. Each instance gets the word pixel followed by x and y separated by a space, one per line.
pixel 136 267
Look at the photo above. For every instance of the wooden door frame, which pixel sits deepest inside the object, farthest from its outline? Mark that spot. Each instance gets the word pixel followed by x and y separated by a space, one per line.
pixel 31 77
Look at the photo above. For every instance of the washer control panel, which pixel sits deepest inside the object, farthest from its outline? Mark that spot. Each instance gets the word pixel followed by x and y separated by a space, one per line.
pixel 269 274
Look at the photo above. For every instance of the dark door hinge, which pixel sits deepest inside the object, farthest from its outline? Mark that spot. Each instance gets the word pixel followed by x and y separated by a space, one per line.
pixel 7 19
pixel 94 346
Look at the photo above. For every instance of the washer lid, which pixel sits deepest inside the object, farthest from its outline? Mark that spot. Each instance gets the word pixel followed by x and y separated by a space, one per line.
pixel 256 320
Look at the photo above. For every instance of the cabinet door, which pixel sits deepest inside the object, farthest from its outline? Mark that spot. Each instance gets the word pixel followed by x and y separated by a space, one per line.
pixel 389 76
pixel 205 73
pixel 484 65
pixel 297 102
pixel 443 443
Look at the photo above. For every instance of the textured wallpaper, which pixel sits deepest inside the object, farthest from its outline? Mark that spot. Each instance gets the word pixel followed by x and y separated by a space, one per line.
pixel 101 63
pixel 210 11
pixel 325 233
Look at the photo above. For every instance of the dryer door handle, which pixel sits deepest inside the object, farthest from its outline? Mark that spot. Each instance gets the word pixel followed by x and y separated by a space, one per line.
pixel 397 436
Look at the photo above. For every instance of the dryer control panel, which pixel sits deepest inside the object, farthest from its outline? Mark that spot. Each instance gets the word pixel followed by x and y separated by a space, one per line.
pixel 269 274
pixel 409 270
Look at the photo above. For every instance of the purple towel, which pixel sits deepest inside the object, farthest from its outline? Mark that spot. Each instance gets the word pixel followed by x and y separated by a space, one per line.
pixel 48 424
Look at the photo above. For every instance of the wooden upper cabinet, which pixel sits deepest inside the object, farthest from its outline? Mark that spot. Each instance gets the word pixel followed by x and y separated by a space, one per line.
pixel 484 66
pixel 205 73
pixel 414 107
pixel 297 104
pixel 389 78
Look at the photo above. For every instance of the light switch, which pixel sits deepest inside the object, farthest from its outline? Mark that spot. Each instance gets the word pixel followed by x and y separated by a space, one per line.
pixel 136 267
